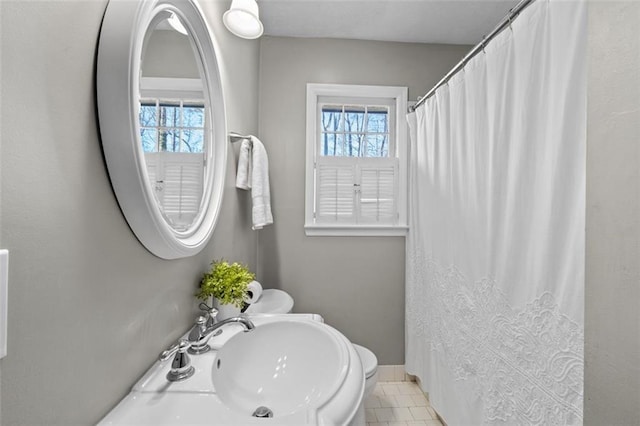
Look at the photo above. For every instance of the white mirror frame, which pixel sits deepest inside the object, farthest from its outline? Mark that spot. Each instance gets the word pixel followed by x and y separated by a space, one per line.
pixel 118 93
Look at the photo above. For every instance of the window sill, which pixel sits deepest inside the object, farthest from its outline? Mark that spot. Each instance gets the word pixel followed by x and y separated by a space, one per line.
pixel 355 231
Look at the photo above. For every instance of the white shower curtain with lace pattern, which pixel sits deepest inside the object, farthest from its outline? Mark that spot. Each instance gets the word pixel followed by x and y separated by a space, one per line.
pixel 496 247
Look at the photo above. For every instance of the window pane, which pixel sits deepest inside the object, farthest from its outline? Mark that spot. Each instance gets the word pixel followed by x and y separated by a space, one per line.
pixel 192 140
pixel 377 145
pixel 378 120
pixel 332 144
pixel 331 117
pixel 328 144
pixel 148 138
pixel 339 145
pixel 169 114
pixel 353 143
pixel 170 140
pixel 193 116
pixel 354 119
pixel 148 115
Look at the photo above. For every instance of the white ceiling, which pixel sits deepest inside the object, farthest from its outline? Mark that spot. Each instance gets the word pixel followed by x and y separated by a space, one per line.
pixel 422 21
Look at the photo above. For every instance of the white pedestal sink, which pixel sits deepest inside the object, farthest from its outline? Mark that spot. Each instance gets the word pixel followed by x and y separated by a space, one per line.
pixel 287 367
pixel 303 371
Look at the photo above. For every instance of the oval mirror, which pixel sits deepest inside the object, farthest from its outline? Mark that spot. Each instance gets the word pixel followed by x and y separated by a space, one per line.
pixel 162 122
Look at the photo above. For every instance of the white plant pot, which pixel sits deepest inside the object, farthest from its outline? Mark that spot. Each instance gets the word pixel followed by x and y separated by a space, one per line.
pixel 225 311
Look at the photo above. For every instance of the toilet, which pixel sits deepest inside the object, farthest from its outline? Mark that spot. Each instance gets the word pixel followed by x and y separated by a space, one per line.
pixel 275 301
pixel 370 364
pixel 272 301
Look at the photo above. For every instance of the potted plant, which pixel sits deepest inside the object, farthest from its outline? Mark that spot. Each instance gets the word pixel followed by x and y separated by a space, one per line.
pixel 227 284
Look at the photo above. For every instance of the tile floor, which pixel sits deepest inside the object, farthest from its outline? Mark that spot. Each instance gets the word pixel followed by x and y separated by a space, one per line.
pixel 399 404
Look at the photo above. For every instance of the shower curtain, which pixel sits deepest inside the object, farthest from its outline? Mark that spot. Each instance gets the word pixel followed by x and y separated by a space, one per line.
pixel 496 247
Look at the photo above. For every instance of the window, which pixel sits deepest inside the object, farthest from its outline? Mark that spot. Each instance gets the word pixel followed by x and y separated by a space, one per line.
pixel 172 125
pixel 356 160
pixel 172 134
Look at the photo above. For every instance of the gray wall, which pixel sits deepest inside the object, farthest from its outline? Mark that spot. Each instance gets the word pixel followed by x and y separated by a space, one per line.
pixel 612 311
pixel 89 307
pixel 169 54
pixel 357 284
pixel 85 295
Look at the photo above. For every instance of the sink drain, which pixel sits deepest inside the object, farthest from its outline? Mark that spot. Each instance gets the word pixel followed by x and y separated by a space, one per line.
pixel 262 412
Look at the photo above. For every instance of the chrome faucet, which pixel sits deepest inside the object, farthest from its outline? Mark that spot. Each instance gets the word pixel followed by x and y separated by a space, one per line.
pixel 196 343
pixel 201 333
pixel 196 337
pixel 207 320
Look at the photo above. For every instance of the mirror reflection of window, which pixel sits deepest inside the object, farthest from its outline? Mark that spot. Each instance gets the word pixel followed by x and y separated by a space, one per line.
pixel 172 138
pixel 173 127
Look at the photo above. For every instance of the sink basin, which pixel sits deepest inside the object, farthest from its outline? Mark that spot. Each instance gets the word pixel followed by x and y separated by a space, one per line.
pixel 287 367
pixel 304 371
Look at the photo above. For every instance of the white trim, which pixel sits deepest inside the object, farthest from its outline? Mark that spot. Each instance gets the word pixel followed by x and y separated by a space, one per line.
pixel 165 83
pixel 355 231
pixel 172 88
pixel 400 94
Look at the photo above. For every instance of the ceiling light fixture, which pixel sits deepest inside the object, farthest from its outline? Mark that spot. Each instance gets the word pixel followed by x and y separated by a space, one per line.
pixel 243 19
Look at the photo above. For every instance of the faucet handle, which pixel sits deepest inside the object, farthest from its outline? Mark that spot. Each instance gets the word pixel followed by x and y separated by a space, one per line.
pixel 165 355
pixel 210 313
pixel 181 346
pixel 181 367
pixel 212 317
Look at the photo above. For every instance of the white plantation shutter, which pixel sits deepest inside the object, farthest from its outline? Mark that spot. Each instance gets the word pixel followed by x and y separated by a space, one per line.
pixel 356 191
pixel 151 160
pixel 183 178
pixel 335 200
pixel 378 192
pixel 178 178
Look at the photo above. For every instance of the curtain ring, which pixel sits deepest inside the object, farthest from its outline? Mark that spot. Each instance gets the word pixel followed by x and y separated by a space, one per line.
pixel 510 18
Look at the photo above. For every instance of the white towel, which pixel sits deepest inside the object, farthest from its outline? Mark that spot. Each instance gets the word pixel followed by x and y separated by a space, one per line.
pixel 243 175
pixel 253 173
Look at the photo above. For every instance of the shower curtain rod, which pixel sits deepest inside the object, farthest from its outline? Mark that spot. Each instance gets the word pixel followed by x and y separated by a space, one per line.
pixel 506 21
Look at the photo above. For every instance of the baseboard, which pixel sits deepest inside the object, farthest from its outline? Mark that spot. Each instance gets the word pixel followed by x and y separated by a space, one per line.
pixel 394 373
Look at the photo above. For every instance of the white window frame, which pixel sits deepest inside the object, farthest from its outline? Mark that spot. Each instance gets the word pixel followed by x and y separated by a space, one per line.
pixel 399 94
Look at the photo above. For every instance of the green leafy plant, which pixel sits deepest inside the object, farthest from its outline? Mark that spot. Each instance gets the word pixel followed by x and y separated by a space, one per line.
pixel 226 281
